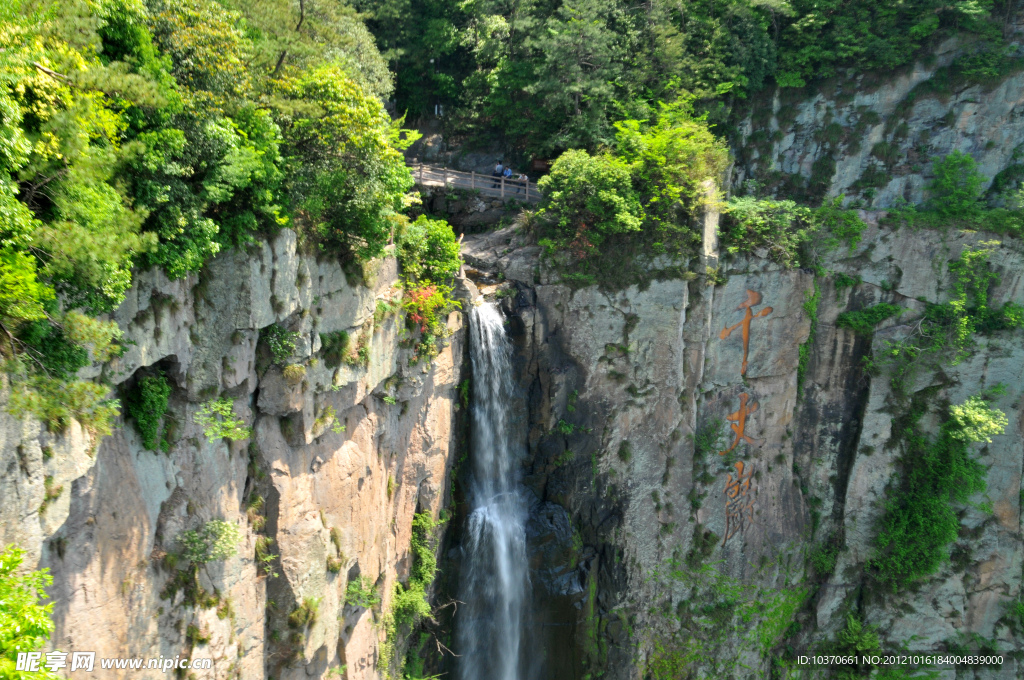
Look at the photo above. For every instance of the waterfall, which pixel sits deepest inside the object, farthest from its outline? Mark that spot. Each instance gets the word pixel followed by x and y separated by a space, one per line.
pixel 494 577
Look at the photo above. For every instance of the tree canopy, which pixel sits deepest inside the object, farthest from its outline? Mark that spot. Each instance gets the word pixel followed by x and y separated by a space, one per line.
pixel 158 133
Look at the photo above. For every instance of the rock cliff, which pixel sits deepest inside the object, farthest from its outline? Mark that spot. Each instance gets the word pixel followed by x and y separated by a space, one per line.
pixel 342 454
pixel 873 137
pixel 690 446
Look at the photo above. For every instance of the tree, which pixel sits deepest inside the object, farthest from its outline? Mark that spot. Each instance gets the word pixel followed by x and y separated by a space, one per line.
pixel 345 171
pixel 427 249
pixel 574 76
pixel 25 624
pixel 590 198
pixel 293 35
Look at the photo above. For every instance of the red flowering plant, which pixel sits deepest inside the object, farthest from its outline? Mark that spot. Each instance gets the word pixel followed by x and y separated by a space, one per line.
pixel 427 306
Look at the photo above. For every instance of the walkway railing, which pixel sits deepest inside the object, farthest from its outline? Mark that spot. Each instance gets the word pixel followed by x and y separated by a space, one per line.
pixel 430 175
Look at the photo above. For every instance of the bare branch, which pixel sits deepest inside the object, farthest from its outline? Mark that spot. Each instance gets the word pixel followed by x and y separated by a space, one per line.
pixel 51 73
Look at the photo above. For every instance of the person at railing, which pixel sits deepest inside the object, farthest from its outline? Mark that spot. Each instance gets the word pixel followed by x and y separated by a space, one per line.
pixel 498 170
pixel 524 179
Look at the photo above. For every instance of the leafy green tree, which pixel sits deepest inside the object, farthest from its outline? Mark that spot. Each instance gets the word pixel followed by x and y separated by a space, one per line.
pixel 573 78
pixel 713 48
pixel 345 171
pixel 428 249
pixel 288 36
pixel 589 199
pixel 781 228
pixel 25 624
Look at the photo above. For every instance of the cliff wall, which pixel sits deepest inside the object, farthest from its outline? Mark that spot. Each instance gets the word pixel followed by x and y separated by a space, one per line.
pixel 685 467
pixel 342 458
pixel 872 137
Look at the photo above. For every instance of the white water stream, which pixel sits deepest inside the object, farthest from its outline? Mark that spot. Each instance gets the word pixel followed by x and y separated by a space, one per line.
pixel 494 577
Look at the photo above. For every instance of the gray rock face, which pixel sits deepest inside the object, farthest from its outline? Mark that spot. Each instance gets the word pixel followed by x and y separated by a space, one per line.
pixel 876 138
pixel 340 472
pixel 619 387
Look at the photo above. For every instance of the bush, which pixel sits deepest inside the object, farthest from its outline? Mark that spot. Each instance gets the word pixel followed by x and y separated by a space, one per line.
pixel 428 249
pixel 606 217
pixel 591 198
pixel 147 404
pixel 334 347
pixel 863 321
pixel 218 420
pixel 920 519
pixel 975 421
pixel 57 402
pixel 214 541
pixel 305 614
pixel 957 185
pixel 345 170
pixel 280 342
pixel 427 307
pixel 778 227
pixel 360 592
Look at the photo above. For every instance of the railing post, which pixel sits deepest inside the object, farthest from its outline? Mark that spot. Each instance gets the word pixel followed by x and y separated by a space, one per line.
pixel 444 183
pixel 503 186
pixel 474 179
pixel 421 174
pixel 527 190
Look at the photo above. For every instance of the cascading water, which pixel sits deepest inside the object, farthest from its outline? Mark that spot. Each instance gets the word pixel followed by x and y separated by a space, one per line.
pixel 494 578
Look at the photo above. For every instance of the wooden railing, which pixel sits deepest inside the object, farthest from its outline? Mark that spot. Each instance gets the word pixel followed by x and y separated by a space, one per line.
pixel 488 185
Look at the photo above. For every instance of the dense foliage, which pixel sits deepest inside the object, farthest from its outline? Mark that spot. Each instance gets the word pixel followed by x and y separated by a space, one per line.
pixel 158 133
pixel 147 404
pixel 550 75
pixel 786 232
pixel 920 519
pixel 25 624
pixel 608 214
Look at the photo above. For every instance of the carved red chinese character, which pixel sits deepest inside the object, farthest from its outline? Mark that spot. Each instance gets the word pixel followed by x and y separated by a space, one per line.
pixel 739 508
pixel 753 298
pixel 739 424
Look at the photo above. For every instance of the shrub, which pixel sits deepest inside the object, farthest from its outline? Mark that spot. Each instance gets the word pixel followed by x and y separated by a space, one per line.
pixel 607 216
pixel 957 185
pixel 294 373
pixel 428 249
pixel 345 170
pixel 625 451
pixel 591 198
pixel 360 592
pixel 779 227
pixel 863 321
pixel 975 421
pixel 334 347
pixel 218 420
pixel 920 519
pixel 147 404
pixel 216 540
pixel 57 402
pixel 280 342
pixel 305 614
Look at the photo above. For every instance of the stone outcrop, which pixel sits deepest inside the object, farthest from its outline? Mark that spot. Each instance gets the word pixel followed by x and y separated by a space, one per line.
pixel 341 454
pixel 620 391
pixel 873 137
